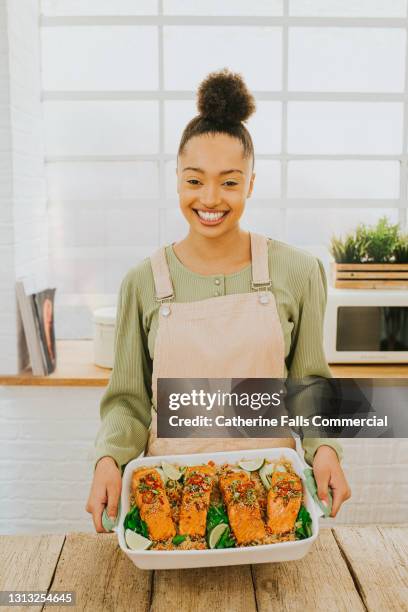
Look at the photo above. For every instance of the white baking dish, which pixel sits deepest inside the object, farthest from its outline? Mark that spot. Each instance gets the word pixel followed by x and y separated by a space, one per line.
pixel 265 553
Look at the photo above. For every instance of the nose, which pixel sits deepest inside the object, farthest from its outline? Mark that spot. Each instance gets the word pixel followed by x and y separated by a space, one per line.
pixel 210 196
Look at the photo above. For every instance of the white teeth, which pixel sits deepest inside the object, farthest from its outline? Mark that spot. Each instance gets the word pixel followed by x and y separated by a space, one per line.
pixel 207 216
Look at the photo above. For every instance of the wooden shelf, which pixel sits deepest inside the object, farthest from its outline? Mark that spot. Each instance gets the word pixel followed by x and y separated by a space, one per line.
pixel 76 369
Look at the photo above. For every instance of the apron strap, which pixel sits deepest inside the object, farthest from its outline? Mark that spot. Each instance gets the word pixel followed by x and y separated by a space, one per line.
pixel 260 267
pixel 161 275
pixel 259 256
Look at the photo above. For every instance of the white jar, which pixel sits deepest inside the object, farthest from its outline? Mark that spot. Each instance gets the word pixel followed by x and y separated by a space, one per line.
pixel 104 320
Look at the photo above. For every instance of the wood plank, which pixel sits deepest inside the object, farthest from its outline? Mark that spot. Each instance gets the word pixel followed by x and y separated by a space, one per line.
pixel 27 562
pixel 319 582
pixel 379 560
pixel 204 590
pixel 102 576
pixel 75 367
pixel 370 266
pixel 376 275
pixel 371 284
pixel 391 370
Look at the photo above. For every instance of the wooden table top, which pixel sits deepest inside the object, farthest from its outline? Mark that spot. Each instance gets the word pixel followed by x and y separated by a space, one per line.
pixel 77 369
pixel 349 568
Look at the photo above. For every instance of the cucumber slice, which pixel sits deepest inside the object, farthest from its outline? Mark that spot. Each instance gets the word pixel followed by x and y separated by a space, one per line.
pixel 265 473
pixel 216 534
pixel 251 465
pixel 136 541
pixel 171 471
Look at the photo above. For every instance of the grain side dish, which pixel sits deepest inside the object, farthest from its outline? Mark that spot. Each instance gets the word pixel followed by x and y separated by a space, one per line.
pixel 207 506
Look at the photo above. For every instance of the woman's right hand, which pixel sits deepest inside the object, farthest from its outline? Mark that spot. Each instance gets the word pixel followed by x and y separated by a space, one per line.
pixel 105 491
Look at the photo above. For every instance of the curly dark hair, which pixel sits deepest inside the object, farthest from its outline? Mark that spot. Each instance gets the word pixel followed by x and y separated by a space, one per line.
pixel 224 103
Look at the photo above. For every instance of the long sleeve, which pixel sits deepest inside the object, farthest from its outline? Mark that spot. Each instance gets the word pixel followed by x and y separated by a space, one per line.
pixel 307 360
pixel 125 405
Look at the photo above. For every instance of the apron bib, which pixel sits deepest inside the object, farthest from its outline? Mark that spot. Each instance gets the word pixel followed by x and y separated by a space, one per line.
pixel 232 336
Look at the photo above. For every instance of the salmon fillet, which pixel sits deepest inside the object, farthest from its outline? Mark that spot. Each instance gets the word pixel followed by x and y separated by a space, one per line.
pixel 284 501
pixel 198 483
pixel 154 507
pixel 243 509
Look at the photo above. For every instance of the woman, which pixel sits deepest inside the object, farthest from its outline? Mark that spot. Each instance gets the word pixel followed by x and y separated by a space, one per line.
pixel 193 310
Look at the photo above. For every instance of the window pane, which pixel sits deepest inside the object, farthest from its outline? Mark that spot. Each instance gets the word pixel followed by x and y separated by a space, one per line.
pixel 264 126
pixel 177 113
pixel 119 260
pixel 101 127
pixel 205 49
pixel 343 179
pixel 76 227
pixel 269 222
pixel 171 180
pixel 102 180
pixel 92 58
pixel 267 181
pixel 345 127
pixel 99 7
pixel 339 8
pixel 226 7
pixel 354 59
pixel 83 274
pixel 302 228
pixel 139 226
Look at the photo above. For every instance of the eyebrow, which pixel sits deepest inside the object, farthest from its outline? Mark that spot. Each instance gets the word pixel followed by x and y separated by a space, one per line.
pixel 220 174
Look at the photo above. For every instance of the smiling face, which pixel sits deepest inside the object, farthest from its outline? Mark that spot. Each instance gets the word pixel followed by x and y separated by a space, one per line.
pixel 213 181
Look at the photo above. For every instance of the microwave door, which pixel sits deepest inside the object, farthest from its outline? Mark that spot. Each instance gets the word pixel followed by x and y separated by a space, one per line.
pixel 372 328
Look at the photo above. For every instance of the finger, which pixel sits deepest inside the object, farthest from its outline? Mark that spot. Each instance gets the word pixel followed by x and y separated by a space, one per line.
pixel 338 498
pixel 113 501
pixel 322 481
pixel 340 495
pixel 97 518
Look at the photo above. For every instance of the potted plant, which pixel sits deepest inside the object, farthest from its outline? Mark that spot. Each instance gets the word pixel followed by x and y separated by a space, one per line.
pixel 371 257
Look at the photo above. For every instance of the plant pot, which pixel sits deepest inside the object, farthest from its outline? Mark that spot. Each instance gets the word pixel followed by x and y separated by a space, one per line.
pixel 370 276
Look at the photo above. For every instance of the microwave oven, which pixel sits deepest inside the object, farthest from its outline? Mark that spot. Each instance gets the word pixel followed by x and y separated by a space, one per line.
pixel 366 326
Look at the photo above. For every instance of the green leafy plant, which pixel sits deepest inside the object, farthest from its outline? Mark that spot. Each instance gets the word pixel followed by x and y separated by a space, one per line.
pixel 215 516
pixel 382 243
pixel 401 250
pixel 135 523
pixel 303 525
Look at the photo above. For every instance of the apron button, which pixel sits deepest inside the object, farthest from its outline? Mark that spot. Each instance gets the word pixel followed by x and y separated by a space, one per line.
pixel 264 298
pixel 165 310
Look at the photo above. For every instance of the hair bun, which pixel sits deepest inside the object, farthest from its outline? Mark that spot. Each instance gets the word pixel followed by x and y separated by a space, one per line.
pixel 223 98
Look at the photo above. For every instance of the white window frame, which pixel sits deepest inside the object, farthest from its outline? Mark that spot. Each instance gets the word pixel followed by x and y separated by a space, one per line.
pixel 284 96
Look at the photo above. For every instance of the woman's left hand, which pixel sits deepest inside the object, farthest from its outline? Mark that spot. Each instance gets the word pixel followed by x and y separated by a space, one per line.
pixel 328 471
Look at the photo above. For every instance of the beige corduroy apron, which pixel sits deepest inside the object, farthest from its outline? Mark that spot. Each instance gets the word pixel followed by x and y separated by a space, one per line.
pixel 232 336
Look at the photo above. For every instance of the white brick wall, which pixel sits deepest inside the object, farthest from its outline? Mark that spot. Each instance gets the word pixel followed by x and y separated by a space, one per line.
pixel 8 356
pixel 23 216
pixel 46 449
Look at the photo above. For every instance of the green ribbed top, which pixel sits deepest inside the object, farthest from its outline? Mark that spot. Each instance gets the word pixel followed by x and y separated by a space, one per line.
pixel 300 288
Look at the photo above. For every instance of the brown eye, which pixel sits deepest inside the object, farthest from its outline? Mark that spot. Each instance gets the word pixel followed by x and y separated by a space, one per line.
pixel 230 183
pixel 193 181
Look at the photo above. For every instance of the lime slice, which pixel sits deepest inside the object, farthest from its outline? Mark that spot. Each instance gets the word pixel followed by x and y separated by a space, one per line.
pixel 251 465
pixel 265 474
pixel 171 471
pixel 216 534
pixel 162 475
pixel 135 541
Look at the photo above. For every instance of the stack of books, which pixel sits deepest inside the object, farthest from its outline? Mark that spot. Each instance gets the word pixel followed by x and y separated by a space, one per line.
pixel 36 333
